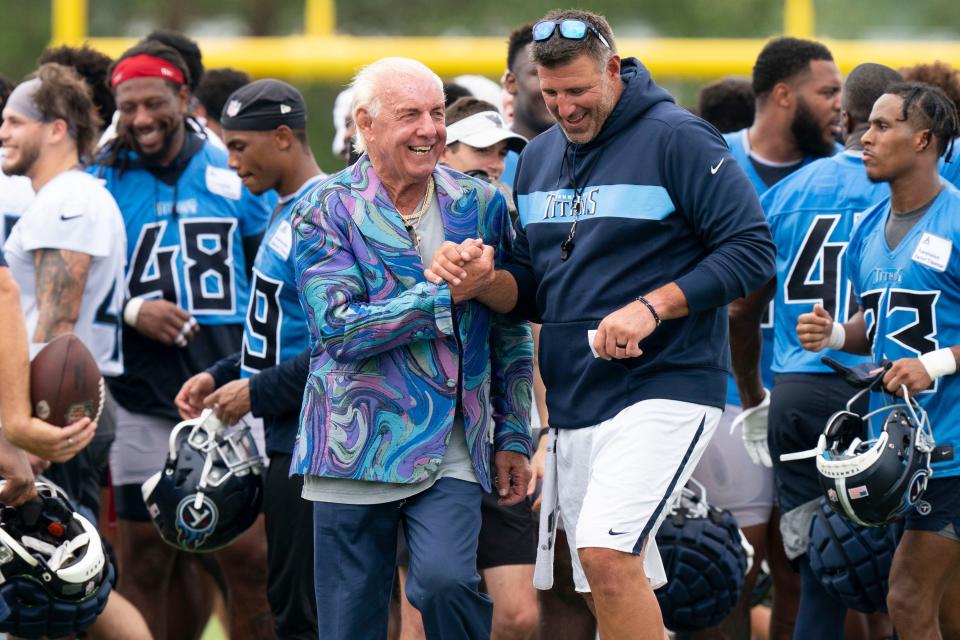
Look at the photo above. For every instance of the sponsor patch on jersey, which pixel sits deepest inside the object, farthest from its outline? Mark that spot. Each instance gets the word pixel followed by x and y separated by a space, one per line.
pixel 933 251
pixel 282 241
pixel 224 182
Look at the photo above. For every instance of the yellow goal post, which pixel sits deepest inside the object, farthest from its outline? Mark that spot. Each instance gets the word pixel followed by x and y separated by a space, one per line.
pixel 321 54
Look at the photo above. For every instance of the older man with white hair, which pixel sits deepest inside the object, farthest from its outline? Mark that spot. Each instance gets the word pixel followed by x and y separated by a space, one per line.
pixel 410 388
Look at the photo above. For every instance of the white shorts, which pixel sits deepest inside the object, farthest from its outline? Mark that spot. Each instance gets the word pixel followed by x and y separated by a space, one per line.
pixel 616 480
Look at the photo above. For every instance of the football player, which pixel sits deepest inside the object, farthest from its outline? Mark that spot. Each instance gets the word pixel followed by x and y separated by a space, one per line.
pixel 14 396
pixel 212 92
pixel 521 82
pixel 812 213
pixel 940 74
pixel 264 127
pixel 192 229
pixel 67 254
pixel 796 85
pixel 15 191
pixel 904 271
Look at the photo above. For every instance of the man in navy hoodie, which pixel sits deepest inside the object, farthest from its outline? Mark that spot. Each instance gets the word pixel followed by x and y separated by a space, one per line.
pixel 636 224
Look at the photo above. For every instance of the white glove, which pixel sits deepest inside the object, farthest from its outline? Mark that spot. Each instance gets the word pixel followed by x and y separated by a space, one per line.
pixel 754 433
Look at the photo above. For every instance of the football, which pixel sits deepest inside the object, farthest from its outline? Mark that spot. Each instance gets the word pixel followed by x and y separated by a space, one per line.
pixel 65 382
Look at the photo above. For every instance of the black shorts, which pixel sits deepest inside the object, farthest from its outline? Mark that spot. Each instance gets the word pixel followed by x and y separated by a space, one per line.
pixel 508 535
pixel 943 517
pixel 83 475
pixel 289 523
pixel 800 405
pixel 128 503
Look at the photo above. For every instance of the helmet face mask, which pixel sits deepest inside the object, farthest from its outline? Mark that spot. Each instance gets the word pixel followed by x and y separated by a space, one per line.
pixel 876 481
pixel 210 488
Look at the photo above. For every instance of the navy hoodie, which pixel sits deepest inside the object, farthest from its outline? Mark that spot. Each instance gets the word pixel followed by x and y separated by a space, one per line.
pixel 663 201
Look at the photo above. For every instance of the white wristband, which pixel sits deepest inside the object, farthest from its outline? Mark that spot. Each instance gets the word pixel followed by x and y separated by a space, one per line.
pixel 838 336
pixel 939 363
pixel 132 310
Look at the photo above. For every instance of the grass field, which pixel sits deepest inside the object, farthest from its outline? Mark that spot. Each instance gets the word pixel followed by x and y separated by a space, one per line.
pixel 214 630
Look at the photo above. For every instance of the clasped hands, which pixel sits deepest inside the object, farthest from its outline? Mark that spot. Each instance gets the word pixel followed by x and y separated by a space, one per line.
pixel 466 267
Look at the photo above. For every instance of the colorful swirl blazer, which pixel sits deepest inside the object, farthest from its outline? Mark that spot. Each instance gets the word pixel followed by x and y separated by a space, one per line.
pixel 391 353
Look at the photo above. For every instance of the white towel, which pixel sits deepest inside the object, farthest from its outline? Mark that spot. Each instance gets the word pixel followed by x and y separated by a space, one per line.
pixel 549 515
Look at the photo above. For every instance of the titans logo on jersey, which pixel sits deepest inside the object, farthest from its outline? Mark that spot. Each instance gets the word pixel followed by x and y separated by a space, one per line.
pixel 276 326
pixel 185 240
pixel 812 214
pixel 910 297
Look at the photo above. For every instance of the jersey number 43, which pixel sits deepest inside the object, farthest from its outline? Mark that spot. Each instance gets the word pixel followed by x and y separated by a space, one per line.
pixel 815 275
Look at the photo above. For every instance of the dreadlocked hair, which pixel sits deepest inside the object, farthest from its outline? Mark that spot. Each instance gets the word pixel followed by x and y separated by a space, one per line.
pixel 118 152
pixel 64 95
pixel 928 107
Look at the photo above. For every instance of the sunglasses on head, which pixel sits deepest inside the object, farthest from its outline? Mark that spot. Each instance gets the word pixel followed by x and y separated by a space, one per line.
pixel 569 29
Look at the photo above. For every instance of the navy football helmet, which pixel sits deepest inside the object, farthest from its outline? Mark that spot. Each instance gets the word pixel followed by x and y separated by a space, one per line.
pixel 852 562
pixel 705 559
pixel 211 487
pixel 874 481
pixel 54 572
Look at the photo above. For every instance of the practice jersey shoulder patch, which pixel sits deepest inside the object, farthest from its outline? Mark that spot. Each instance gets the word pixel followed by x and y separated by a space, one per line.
pixel 224 182
pixel 281 242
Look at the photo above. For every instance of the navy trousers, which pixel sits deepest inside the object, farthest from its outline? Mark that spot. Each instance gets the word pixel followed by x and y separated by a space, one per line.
pixel 355 549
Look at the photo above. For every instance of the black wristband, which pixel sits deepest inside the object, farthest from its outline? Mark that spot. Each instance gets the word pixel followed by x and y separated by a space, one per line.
pixel 653 312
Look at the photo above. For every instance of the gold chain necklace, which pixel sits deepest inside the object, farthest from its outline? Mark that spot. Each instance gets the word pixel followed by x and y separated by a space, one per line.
pixel 412 223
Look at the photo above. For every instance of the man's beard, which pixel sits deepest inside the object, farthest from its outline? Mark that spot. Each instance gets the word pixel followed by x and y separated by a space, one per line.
pixel 808 133
pixel 169 135
pixel 28 157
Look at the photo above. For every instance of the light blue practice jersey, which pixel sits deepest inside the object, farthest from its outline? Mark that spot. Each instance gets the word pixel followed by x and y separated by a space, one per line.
pixel 276 326
pixel 911 301
pixel 185 241
pixel 812 214
pixel 740 150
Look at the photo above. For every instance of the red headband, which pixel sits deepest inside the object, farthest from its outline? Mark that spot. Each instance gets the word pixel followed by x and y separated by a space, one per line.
pixel 145 66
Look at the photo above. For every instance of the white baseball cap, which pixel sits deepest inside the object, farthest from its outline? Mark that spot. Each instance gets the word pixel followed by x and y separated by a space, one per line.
pixel 484 129
pixel 341 109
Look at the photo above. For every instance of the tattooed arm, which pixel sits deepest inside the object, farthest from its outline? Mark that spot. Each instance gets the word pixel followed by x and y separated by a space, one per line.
pixel 19 429
pixel 60 277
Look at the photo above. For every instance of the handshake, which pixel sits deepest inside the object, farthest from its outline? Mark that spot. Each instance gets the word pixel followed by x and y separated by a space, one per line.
pixel 467 267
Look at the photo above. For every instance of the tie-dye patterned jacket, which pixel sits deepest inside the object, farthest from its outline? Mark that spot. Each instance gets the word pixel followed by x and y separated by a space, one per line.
pixel 389 348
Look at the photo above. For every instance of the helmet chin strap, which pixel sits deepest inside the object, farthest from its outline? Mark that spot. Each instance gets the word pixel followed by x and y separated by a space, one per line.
pixel 809 453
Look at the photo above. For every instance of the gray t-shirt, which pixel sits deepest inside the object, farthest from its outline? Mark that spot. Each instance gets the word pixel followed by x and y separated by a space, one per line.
pixel 899 224
pixel 770 172
pixel 456 461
